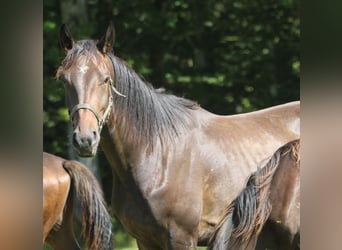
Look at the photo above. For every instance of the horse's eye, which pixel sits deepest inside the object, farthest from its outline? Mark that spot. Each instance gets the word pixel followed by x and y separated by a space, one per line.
pixel 106 80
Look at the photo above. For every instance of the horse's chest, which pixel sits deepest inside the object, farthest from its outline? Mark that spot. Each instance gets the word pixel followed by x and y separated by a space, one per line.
pixel 135 213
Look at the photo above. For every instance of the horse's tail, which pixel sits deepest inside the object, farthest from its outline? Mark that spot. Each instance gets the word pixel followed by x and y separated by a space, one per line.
pixel 244 218
pixel 220 239
pixel 96 222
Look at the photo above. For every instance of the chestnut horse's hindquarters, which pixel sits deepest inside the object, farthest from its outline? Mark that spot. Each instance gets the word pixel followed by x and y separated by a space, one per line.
pixel 62 180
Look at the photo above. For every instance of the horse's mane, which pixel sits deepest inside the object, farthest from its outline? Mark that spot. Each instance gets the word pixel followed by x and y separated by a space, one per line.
pixel 146 112
pixel 244 218
pixel 293 150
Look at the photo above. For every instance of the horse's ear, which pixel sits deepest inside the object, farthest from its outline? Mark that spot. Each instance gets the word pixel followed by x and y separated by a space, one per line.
pixel 65 37
pixel 106 43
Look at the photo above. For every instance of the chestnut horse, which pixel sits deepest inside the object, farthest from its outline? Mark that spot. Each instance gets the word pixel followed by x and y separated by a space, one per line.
pixel 175 166
pixel 271 196
pixel 60 179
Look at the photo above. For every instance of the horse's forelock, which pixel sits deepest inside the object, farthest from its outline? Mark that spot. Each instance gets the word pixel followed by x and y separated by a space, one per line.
pixel 82 53
pixel 82 50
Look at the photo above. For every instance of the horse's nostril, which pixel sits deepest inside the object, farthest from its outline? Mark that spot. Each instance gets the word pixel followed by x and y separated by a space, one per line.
pixel 74 139
pixel 95 136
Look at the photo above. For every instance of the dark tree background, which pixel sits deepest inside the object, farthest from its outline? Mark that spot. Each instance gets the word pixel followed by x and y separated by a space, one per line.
pixel 229 56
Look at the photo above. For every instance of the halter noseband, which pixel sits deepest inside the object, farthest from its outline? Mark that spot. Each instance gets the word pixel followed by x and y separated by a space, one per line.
pixel 100 120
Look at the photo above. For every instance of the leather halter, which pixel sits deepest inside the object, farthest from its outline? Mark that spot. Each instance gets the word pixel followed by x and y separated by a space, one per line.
pixel 100 120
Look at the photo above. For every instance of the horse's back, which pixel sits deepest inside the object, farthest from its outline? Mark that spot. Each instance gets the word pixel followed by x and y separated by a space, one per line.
pixel 280 123
pixel 284 118
pixel 56 186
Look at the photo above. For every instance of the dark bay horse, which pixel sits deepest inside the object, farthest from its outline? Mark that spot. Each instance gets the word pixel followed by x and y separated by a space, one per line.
pixel 61 178
pixel 266 214
pixel 175 166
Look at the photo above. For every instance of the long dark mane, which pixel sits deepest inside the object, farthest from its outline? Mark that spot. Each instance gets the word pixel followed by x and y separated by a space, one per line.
pixel 146 112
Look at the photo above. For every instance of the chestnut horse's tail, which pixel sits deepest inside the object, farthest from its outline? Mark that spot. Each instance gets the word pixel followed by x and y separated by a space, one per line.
pixel 96 222
pixel 244 218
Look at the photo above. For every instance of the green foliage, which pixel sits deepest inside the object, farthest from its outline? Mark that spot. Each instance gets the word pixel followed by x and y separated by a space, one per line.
pixel 230 56
pixel 46 247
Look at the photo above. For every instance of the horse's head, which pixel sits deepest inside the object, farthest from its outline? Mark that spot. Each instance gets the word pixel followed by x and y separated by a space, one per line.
pixel 88 75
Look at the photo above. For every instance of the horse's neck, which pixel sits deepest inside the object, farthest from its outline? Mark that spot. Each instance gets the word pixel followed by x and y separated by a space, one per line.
pixel 113 146
pixel 122 154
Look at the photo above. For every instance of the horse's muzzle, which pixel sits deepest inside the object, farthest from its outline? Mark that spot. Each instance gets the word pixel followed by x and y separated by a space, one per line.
pixel 85 144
